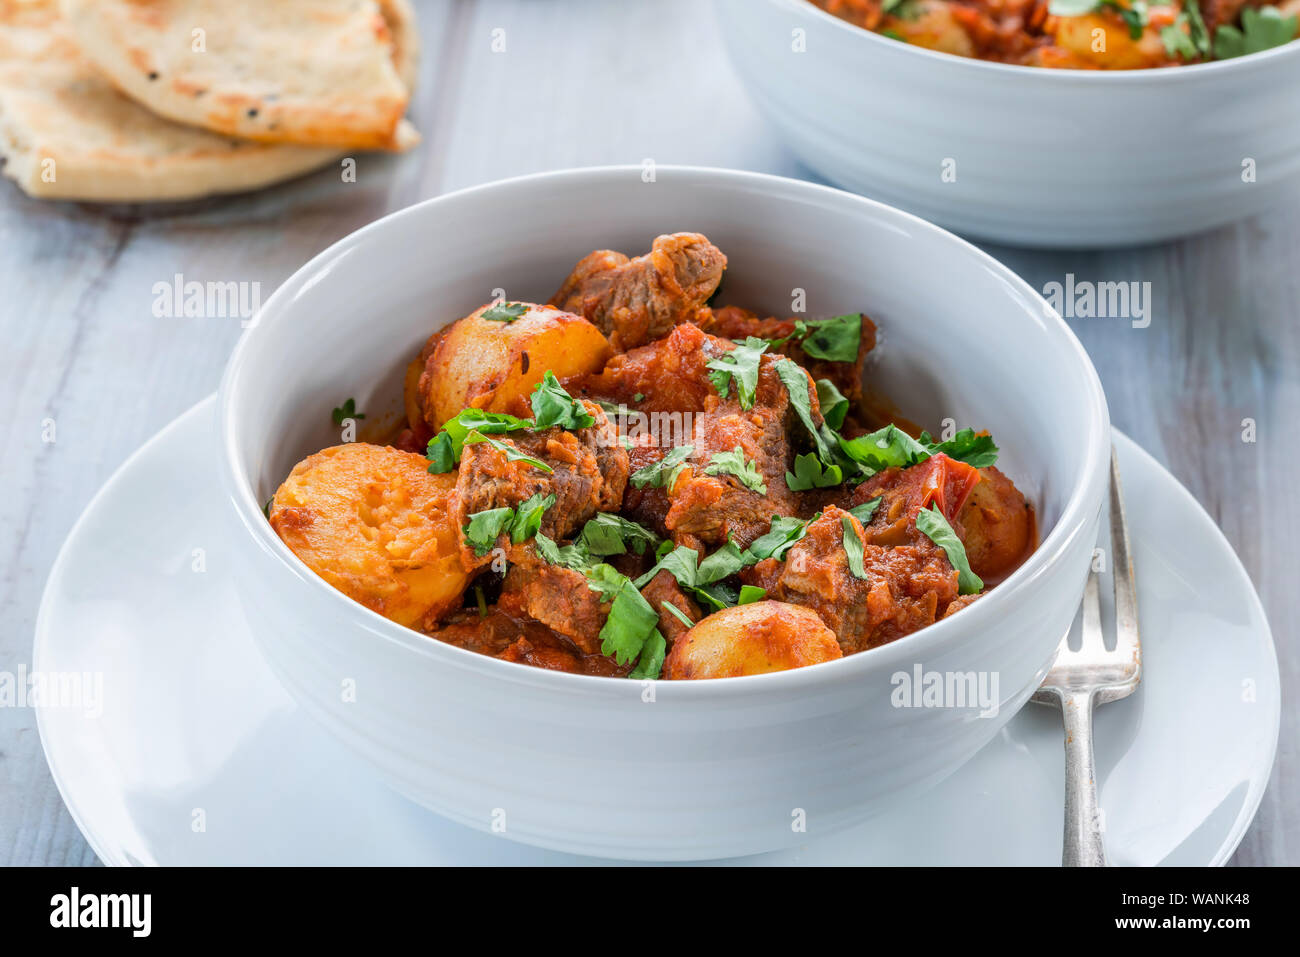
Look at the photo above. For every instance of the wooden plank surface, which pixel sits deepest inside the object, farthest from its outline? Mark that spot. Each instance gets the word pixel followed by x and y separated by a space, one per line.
pixel 579 84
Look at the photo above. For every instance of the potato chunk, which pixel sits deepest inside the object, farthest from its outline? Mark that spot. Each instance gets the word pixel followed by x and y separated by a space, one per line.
pixel 751 640
pixel 374 523
pixel 495 365
pixel 998 526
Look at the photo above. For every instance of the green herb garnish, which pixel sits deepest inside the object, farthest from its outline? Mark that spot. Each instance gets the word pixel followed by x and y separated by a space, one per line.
pixel 750 594
pixel 853 548
pixel 834 340
pixel 735 464
pixel 527 520
pixel 348 410
pixel 834 406
pixel 677 613
pixel 808 473
pixel 1261 29
pixel 663 474
pixel 966 446
pixel 741 366
pixel 552 406
pixel 610 534
pixel 866 510
pixel 483 528
pixel 651 662
pixel 511 453
pixel 505 311
pixel 936 528
pixel 780 538
pixel 441 453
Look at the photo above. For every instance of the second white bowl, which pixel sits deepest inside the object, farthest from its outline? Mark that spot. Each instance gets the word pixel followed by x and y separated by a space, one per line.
pixel 1023 155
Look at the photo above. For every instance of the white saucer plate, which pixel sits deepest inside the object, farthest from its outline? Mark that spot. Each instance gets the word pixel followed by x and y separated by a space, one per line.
pixel 195 755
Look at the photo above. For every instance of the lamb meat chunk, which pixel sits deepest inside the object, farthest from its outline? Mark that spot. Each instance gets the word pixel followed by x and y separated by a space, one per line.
pixel 635 301
pixel 505 636
pixel 732 322
pixel 556 596
pixel 906 587
pixel 664 377
pixel 709 509
pixel 561 599
pixel 589 474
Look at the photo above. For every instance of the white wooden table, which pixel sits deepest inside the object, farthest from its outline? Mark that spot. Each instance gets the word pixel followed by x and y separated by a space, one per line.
pixel 579 84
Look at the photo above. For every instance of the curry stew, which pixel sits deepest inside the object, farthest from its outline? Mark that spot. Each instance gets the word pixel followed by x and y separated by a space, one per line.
pixel 629 481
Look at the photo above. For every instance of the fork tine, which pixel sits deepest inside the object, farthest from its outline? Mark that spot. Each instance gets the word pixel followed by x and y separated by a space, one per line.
pixel 1093 639
pixel 1126 619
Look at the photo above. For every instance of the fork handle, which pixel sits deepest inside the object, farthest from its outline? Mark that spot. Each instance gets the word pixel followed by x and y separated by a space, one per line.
pixel 1082 846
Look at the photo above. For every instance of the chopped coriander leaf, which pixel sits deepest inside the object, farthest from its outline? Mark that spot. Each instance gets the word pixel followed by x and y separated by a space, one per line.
pixel 701 579
pixel 834 406
pixel 681 562
pixel 651 662
pixel 527 521
pixel 663 474
pixel 480 599
pixel 677 613
pixel 610 534
pixel 1177 41
pixel 741 366
pixel 977 450
pixel 779 539
pixel 609 408
pixel 866 510
pixel 483 528
pixel 853 548
pixel 936 528
pixel 505 311
pixel 735 464
pixel 638 397
pixel 1196 27
pixel 348 410
pixel 723 563
pixel 834 340
pixel 894 35
pixel 606 580
pixel 266 509
pixel 1134 15
pixel 889 447
pixel 798 332
pixel 750 594
pixel 630 623
pixel 717 595
pixel 795 381
pixel 466 421
pixel 1261 29
pixel 441 453
pixel 511 453
pixel 566 556
pixel 553 406
pixel 808 473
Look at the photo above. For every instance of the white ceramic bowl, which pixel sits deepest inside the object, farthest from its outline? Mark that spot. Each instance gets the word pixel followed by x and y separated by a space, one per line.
pixel 1042 157
pixel 666 770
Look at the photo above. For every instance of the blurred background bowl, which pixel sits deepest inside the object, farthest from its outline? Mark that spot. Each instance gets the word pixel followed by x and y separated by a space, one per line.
pixel 1041 157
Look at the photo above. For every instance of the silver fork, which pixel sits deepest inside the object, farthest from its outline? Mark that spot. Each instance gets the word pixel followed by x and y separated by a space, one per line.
pixel 1081 679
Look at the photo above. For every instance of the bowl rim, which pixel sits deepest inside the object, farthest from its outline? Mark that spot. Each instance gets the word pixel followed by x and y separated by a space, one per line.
pixel 1085 496
pixel 1149 76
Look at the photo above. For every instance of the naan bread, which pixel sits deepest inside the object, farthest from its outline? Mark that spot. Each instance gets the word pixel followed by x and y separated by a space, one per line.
pixel 308 72
pixel 67 133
